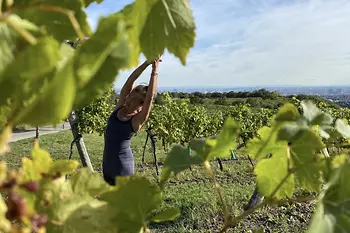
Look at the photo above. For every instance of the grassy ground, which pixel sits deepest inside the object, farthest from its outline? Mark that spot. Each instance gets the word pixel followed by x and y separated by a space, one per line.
pixel 192 192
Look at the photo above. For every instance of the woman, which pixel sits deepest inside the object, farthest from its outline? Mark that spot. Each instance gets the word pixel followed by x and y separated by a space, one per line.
pixel 132 110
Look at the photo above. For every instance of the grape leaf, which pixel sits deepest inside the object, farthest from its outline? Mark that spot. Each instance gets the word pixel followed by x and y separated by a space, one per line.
pixel 271 172
pixel 26 75
pixel 159 24
pixel 292 130
pixel 94 216
pixel 296 154
pixel 53 16
pixel 5 224
pixel 198 145
pixel 287 112
pixel 332 213
pixel 342 128
pixel 314 115
pixel 9 38
pixel 3 171
pixel 265 144
pixel 309 166
pixel 62 167
pixel 41 164
pixel 179 159
pixel 53 104
pixel 99 59
pixel 5 136
pixel 88 182
pixel 143 198
pixel 67 53
pixel 226 140
pixel 72 206
pixel 88 2
pixel 165 215
pixel 56 199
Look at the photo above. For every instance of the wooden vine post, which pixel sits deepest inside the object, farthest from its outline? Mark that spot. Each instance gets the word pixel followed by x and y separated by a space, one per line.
pixel 78 138
pixel 79 142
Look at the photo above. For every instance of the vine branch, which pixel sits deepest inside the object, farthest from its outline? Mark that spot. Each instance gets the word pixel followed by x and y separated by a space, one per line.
pixel 24 33
pixel 69 13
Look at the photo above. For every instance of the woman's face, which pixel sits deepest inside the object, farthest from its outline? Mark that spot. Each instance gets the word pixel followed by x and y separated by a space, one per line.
pixel 134 101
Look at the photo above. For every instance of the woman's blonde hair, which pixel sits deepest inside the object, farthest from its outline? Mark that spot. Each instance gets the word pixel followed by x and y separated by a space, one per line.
pixel 141 89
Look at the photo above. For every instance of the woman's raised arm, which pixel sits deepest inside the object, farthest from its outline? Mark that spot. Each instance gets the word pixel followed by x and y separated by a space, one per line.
pixel 126 89
pixel 141 117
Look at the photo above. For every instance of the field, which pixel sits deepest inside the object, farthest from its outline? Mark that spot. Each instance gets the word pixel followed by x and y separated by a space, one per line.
pixel 192 191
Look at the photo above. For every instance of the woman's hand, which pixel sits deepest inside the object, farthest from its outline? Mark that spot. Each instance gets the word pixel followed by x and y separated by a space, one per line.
pixel 155 65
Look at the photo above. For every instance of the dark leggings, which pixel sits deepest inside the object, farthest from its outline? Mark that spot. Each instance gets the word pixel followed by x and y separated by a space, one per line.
pixel 110 180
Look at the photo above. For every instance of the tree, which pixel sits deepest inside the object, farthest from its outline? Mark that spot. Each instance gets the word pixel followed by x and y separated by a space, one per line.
pixel 196 100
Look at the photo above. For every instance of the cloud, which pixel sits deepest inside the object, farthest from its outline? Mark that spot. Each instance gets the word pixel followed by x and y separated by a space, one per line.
pixel 270 42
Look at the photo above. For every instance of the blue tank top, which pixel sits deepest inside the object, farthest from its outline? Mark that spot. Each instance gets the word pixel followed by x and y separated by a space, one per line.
pixel 118 159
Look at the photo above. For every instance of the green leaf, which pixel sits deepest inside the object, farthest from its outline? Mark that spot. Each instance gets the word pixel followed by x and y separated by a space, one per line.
pixel 88 182
pixel 332 213
pixel 27 75
pixel 94 216
pixel 53 105
pixel 5 224
pixel 322 222
pixel 342 128
pixel 314 115
pixel 291 131
pixel 267 143
pixel 310 176
pixel 298 154
pixel 67 53
pixel 99 60
pixel 179 159
pixel 56 199
pixel 166 215
pixel 72 206
pixel 3 171
pixel 63 167
pixel 309 166
pixel 157 25
pixel 52 15
pixel 271 172
pixel 88 2
pixel 9 38
pixel 287 112
pixel 41 164
pixel 142 197
pixel 226 140
pixel 198 145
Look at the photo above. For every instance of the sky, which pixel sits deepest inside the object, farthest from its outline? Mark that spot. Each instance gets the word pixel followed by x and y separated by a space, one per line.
pixel 256 42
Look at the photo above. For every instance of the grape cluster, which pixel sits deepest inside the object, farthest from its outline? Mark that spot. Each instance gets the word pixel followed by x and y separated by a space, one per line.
pixel 17 208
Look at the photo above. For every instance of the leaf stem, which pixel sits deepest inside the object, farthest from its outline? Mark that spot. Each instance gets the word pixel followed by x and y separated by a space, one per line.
pixel 70 15
pixel 0 7
pixel 65 11
pixel 218 189
pixel 24 33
